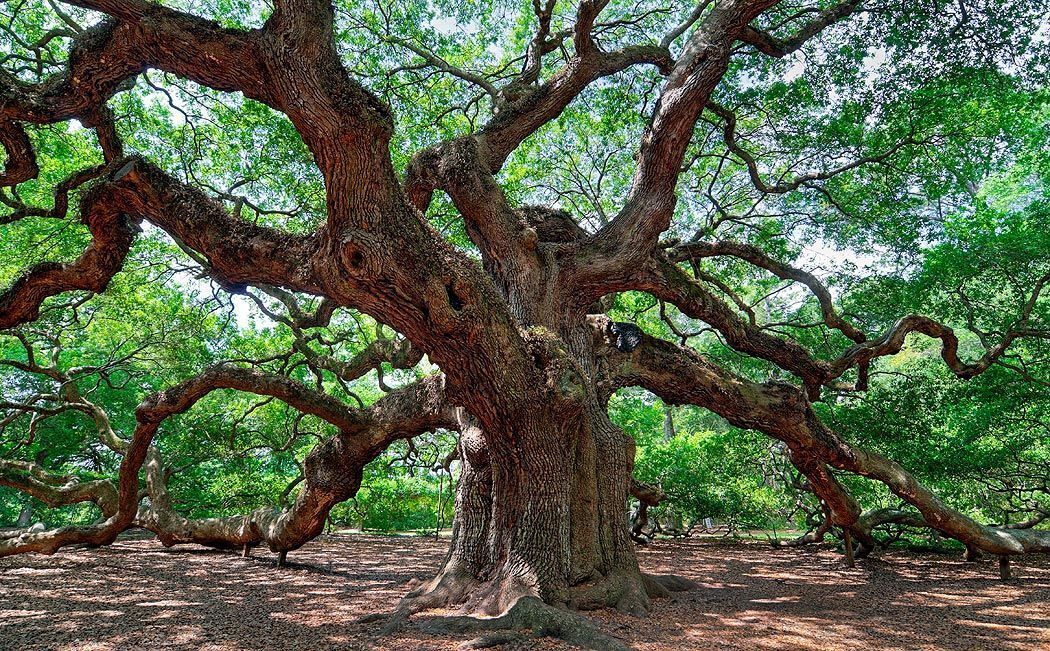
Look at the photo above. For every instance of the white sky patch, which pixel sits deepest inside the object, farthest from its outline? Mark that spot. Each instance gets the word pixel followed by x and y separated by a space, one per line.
pixel 496 50
pixel 445 25
pixel 876 57
pixel 1042 35
pixel 826 261
pixel 797 68
pixel 245 312
pixel 821 253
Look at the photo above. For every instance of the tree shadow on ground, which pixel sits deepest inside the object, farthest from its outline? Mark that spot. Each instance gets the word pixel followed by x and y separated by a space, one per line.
pixel 755 597
pixel 137 594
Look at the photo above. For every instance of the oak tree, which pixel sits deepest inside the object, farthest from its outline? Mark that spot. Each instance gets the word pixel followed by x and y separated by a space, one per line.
pixel 498 184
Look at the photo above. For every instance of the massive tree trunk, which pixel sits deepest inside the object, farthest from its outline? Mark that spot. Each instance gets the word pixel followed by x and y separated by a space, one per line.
pixel 541 503
pixel 545 474
pixel 542 514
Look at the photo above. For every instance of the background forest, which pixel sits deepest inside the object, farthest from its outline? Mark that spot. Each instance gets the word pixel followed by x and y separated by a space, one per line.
pixel 954 224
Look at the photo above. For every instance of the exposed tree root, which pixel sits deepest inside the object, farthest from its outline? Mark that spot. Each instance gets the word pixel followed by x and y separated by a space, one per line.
pixel 528 614
pixel 495 638
pixel 626 591
pixel 629 592
pixel 669 583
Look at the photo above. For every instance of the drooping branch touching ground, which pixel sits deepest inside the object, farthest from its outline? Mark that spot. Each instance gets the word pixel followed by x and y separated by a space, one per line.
pixel 681 376
pixel 526 374
pixel 647 495
pixel 332 469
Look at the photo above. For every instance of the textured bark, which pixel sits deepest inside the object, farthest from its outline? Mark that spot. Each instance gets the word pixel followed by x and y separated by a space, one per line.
pixel 526 374
pixel 647 496
pixel 56 490
pixel 333 467
pixel 681 376
pixel 333 472
pixel 541 514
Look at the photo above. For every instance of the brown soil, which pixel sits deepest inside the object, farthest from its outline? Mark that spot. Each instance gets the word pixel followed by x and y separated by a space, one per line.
pixel 136 594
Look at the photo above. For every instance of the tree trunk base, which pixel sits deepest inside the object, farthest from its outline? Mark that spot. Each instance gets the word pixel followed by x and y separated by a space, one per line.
pixel 626 591
pixel 528 614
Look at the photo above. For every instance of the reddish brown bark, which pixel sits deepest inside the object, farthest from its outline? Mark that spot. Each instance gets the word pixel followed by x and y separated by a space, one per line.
pixel 681 376
pixel 525 373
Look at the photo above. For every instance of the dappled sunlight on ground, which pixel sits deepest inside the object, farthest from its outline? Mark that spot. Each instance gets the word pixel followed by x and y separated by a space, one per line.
pixel 137 594
pixel 754 597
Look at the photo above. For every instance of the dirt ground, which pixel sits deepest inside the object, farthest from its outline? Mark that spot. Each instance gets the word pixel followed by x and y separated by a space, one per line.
pixel 138 595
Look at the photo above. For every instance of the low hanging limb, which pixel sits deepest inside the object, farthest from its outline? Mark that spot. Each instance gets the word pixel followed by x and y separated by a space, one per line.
pixel 363 435
pixel 647 495
pixel 682 376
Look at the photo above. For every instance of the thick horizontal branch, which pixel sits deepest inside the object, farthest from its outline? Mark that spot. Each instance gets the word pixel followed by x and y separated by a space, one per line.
pixel 647 493
pixel 882 517
pixel 664 280
pixel 57 490
pixel 105 57
pixel 60 201
pixel 180 398
pixel 239 252
pixel 679 375
pixel 399 353
pixel 773 46
pixel 291 64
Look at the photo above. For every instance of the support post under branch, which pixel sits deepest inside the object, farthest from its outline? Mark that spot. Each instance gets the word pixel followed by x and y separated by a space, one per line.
pixel 1004 568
